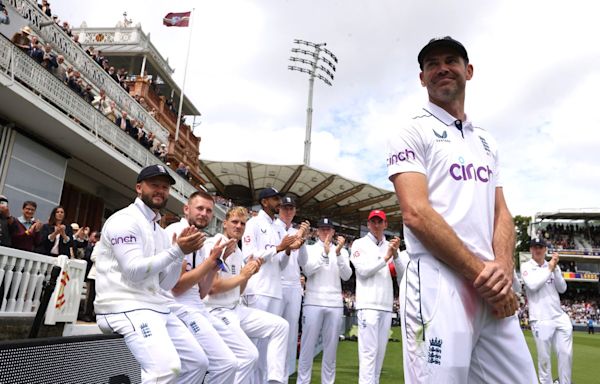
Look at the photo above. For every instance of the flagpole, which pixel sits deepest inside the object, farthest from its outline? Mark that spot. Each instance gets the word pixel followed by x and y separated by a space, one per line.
pixel 184 75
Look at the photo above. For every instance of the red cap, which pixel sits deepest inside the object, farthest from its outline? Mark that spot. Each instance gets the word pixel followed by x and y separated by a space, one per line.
pixel 377 213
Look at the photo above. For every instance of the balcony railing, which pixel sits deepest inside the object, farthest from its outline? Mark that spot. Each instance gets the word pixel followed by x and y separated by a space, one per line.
pixel 91 71
pixel 24 69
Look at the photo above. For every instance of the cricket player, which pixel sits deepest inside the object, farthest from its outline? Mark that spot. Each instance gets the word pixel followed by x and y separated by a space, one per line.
pixel 229 360
pixel 267 241
pixel 291 288
pixel 457 303
pixel 551 326
pixel 323 308
pixel 224 302
pixel 370 256
pixel 135 261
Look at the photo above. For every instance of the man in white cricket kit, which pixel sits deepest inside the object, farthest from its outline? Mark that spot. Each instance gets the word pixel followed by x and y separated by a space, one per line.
pixel 267 241
pixel 224 302
pixel 551 326
pixel 229 360
pixel 291 288
pixel 323 307
pixel 135 261
pixel 370 256
pixel 457 303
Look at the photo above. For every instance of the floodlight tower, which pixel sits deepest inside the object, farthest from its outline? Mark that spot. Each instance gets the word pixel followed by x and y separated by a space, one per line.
pixel 315 53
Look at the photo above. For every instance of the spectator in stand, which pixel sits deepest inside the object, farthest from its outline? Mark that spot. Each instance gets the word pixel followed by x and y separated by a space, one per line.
pixel 74 82
pixel 133 131
pixel 56 237
pixel 48 58
pixel 67 28
pixel 105 65
pixel 80 240
pixel 59 71
pixel 112 73
pixel 181 170
pixel 25 229
pixel 99 58
pixel 45 7
pixel 111 111
pixel 100 102
pixel 163 152
pixel 22 39
pixel 4 19
pixel 87 93
pixel 144 104
pixel 123 122
pixel 36 51
pixel 5 240
pixel 76 40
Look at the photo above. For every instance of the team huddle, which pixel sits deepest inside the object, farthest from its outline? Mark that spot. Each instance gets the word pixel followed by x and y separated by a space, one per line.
pixel 195 309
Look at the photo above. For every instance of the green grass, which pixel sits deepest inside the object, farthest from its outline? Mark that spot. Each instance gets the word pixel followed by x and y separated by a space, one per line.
pixel 586 360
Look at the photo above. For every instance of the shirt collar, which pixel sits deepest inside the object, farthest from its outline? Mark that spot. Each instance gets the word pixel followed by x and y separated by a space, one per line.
pixel 147 211
pixel 23 221
pixel 374 239
pixel 264 215
pixel 446 118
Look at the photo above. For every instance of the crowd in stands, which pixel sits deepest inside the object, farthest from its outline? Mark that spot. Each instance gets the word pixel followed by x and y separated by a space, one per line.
pixel 564 236
pixel 580 311
pixel 51 237
pixel 45 56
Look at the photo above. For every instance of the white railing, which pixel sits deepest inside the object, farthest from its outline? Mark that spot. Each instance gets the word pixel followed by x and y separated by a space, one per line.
pixel 21 67
pixel 91 71
pixel 22 275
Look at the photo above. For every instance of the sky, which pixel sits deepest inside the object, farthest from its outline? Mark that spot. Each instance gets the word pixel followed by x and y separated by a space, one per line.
pixel 535 85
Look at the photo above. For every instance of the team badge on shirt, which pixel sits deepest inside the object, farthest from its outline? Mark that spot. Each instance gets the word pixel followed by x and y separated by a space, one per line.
pixel 435 351
pixel 356 254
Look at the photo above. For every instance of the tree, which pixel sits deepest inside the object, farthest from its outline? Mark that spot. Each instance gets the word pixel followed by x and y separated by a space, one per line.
pixel 523 238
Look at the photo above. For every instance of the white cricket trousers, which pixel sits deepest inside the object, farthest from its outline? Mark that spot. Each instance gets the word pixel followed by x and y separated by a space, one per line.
pixel 271 305
pixel 291 305
pixel 558 334
pixel 373 333
pixel 222 362
pixel 449 334
pixel 248 323
pixel 316 320
pixel 160 342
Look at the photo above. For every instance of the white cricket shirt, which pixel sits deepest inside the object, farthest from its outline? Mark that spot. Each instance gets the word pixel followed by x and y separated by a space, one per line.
pixel 261 238
pixel 462 169
pixel 290 275
pixel 234 264
pixel 323 273
pixel 542 288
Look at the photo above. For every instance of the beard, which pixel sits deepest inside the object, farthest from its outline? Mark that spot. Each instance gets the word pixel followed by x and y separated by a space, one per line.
pixel 147 199
pixel 200 223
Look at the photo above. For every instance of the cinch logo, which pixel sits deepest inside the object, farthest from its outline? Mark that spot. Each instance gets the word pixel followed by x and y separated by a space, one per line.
pixel 123 240
pixel 462 172
pixel 405 155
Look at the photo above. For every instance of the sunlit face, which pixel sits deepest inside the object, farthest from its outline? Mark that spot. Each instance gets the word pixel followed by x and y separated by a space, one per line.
pixel 199 212
pixel 29 211
pixel 287 213
pixel 234 226
pixel 154 192
pixel 376 226
pixel 323 232
pixel 445 75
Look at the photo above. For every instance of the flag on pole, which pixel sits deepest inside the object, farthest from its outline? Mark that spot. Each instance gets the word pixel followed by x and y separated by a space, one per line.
pixel 173 19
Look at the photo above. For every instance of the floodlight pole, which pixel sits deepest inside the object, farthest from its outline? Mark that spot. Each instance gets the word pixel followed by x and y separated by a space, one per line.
pixel 316 56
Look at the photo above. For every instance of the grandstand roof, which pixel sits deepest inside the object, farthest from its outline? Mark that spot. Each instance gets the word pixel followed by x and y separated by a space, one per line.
pixel 318 193
pixel 570 214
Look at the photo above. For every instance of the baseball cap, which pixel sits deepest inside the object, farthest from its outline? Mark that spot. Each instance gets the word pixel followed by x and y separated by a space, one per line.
pixel 75 226
pixel 154 170
pixel 377 213
pixel 268 192
pixel 325 222
pixel 288 200
pixel 536 242
pixel 445 41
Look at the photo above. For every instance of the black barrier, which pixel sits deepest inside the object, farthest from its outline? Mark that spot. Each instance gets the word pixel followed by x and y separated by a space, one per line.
pixel 74 359
pixel 46 296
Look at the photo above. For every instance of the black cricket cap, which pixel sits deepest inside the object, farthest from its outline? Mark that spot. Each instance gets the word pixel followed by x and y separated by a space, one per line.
pixel 154 170
pixel 446 41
